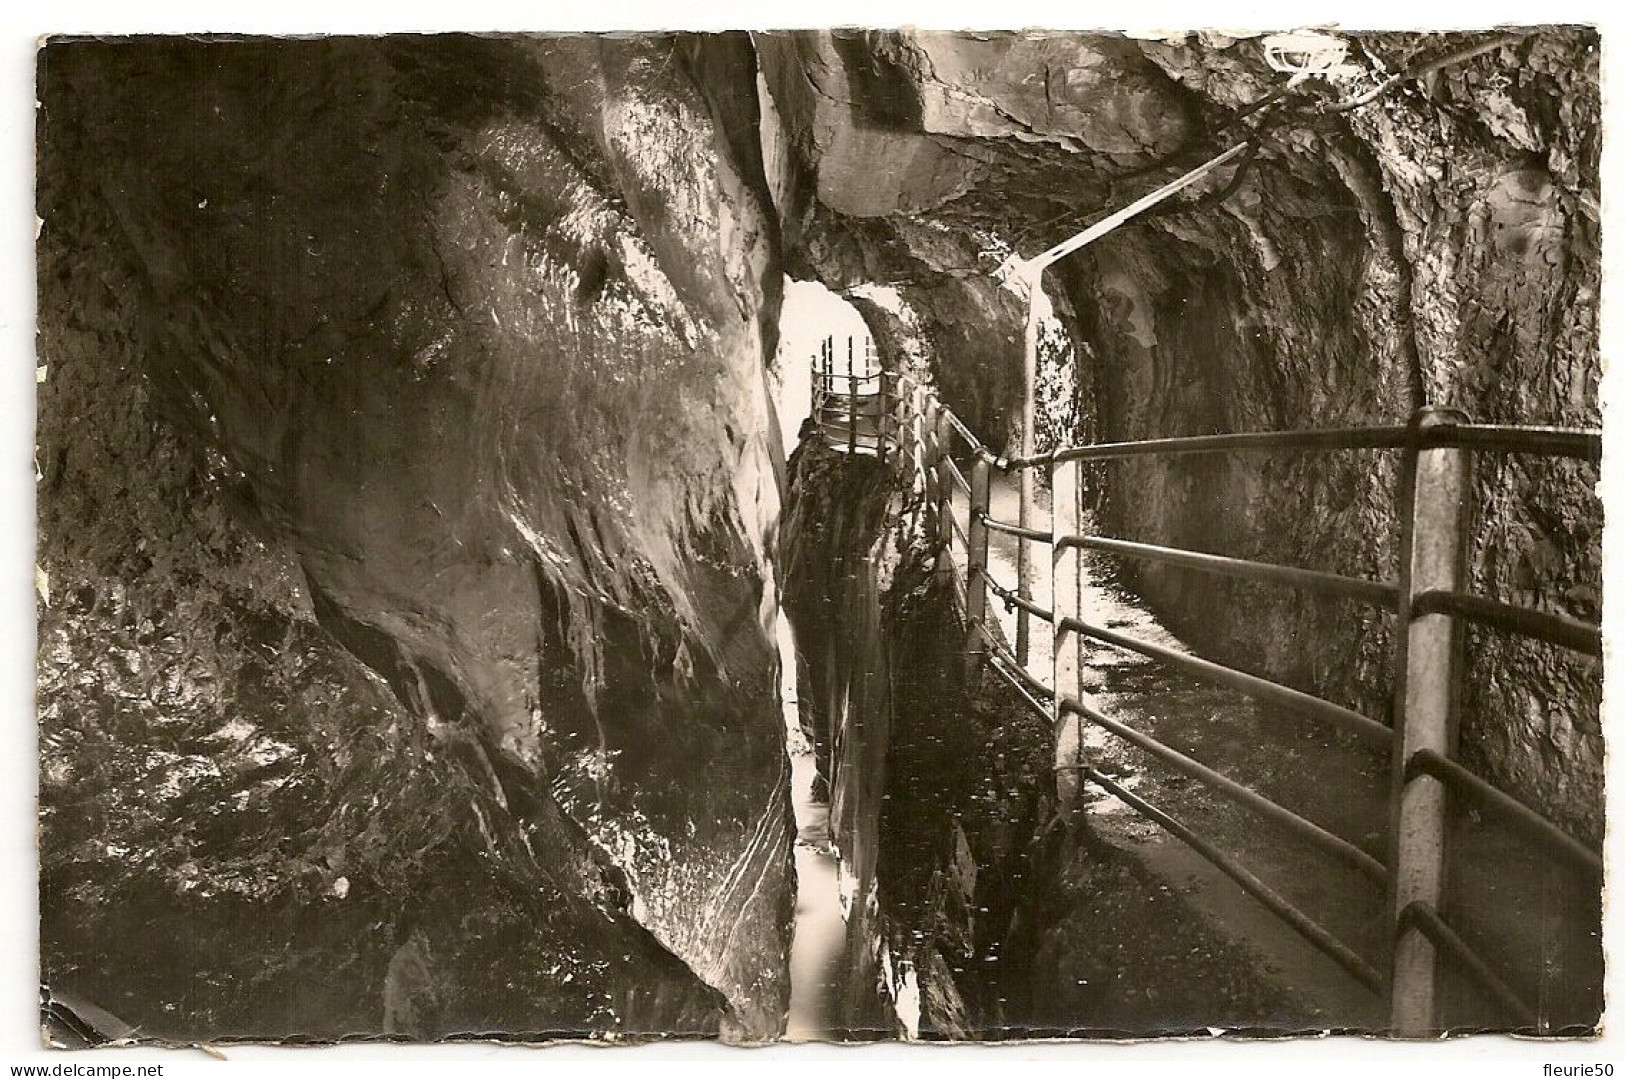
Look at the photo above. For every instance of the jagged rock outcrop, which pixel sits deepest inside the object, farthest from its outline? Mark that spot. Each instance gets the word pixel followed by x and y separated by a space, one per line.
pixel 468 334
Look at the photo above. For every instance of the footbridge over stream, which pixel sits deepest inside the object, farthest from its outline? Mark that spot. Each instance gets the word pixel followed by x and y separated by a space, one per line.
pixel 860 408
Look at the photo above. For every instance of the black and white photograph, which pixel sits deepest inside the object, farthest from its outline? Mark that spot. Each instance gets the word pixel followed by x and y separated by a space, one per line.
pixel 834 534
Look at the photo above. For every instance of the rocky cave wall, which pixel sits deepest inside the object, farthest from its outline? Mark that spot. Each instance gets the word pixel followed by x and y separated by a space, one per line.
pixel 1437 245
pixel 460 344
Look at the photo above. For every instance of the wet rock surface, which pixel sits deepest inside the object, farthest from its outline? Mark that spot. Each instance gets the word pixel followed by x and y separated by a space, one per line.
pixel 833 542
pixel 461 344
pixel 409 503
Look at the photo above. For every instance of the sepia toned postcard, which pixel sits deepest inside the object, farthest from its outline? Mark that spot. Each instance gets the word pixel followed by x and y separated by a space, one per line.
pixel 830 534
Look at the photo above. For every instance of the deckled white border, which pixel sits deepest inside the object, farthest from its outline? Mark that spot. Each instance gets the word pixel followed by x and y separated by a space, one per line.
pixel 22 21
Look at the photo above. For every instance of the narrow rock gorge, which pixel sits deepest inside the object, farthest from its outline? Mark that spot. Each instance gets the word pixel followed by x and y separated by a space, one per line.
pixel 414 519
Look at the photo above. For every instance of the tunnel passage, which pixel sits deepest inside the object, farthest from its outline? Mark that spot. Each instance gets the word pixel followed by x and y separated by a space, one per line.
pixel 1305 289
pixel 432 377
pixel 1316 286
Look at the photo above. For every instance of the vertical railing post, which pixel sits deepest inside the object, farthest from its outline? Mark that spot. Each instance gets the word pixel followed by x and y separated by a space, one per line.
pixel 916 445
pixel 1434 494
pixel 928 465
pixel 981 486
pixel 1024 481
pixel 917 436
pixel 882 421
pixel 851 403
pixel 943 437
pixel 821 384
pixel 931 530
pixel 1067 593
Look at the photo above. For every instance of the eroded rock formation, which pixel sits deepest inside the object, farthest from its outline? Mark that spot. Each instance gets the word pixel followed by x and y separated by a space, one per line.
pixel 408 488
pixel 470 333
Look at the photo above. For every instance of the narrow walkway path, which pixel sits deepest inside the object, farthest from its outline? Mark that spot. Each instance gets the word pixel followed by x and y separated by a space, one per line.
pixel 1277 754
pixel 1530 912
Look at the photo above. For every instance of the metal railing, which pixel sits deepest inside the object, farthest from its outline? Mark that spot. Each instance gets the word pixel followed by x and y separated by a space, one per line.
pixel 1429 602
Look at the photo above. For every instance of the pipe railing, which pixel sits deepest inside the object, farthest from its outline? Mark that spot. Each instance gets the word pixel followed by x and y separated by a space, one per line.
pixel 1271 810
pixel 1252 685
pixel 1486 795
pixel 1034 534
pixel 1429 602
pixel 1375 593
pixel 1558 629
pixel 1425 920
pixel 1279 905
pixel 1015 601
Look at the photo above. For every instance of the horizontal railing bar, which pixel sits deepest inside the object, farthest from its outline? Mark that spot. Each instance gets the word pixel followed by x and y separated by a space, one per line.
pixel 1333 844
pixel 1556 629
pixel 1376 593
pixel 865 430
pixel 832 418
pixel 1016 530
pixel 958 476
pixel 1458 778
pixel 1583 443
pixel 953 523
pixel 1428 922
pixel 1250 684
pixel 971 440
pixel 1578 442
pixel 1037 688
pixel 865 438
pixel 998 666
pixel 861 395
pixel 1334 438
pixel 1277 904
pixel 1015 600
pixel 842 424
pixel 869 445
pixel 843 376
pixel 843 402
